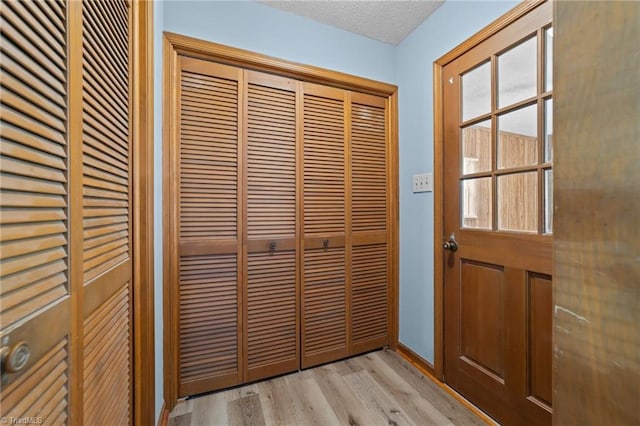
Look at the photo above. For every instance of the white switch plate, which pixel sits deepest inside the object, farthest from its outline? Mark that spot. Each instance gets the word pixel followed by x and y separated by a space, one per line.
pixel 423 182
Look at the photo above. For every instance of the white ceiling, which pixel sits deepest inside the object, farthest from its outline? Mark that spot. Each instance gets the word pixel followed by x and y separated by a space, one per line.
pixel 389 21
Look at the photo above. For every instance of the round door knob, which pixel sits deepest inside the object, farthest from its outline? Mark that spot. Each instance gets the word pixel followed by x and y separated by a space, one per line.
pixel 450 245
pixel 15 359
pixel 325 243
pixel 272 246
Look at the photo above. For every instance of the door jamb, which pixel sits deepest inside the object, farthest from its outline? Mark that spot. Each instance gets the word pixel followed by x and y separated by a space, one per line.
pixel 438 172
pixel 143 239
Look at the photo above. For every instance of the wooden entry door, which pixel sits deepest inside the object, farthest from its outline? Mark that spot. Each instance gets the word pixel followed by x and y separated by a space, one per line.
pixel 498 221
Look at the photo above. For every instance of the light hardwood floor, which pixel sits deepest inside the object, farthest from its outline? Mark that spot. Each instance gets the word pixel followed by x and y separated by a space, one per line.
pixel 379 388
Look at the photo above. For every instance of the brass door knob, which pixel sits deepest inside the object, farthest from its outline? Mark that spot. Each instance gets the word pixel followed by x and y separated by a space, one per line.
pixel 450 245
pixel 15 358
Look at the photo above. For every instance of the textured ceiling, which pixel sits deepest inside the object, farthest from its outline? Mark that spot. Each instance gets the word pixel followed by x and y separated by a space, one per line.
pixel 388 21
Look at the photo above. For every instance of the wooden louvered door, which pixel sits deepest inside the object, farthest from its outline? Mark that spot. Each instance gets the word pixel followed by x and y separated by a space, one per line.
pixel 106 213
pixel 370 259
pixel 271 279
pixel 324 275
pixel 35 295
pixel 66 212
pixel 209 272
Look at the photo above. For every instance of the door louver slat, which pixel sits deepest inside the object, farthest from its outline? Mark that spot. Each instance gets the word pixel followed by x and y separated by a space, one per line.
pixel 369 296
pixel 368 165
pixel 323 165
pixel 105 129
pixel 208 318
pixel 271 296
pixel 209 181
pixel 271 162
pixel 33 163
pixel 324 302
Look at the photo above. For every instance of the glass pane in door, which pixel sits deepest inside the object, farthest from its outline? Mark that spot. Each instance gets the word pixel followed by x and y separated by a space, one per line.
pixel 517 73
pixel 548 131
pixel 518 138
pixel 518 202
pixel 548 59
pixel 548 201
pixel 476 148
pixel 476 203
pixel 476 92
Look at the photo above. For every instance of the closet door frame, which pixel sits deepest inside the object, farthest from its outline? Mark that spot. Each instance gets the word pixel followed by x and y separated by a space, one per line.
pixel 175 46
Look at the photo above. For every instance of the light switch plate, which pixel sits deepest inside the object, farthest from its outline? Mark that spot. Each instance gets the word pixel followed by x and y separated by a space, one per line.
pixel 423 182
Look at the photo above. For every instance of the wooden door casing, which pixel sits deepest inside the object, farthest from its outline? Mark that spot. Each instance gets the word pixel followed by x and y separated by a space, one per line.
pixel 68 140
pixel 497 304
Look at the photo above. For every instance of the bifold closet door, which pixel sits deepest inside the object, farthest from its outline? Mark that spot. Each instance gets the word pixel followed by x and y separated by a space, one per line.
pixel 210 226
pixel 66 253
pixel 107 214
pixel 271 280
pixel 35 296
pixel 324 280
pixel 369 262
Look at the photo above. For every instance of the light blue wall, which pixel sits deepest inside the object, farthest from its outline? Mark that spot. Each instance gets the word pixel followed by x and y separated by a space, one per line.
pixel 259 28
pixel 450 25
pixel 157 205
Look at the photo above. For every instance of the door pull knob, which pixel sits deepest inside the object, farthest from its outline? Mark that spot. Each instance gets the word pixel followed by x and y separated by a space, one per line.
pixel 450 245
pixel 14 359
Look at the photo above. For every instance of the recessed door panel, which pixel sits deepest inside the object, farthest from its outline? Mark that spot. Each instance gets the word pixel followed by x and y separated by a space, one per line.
pixel 482 318
pixel 540 322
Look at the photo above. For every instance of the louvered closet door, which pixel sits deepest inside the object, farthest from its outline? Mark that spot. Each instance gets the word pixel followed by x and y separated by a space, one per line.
pixel 324 281
pixel 106 213
pixel 369 264
pixel 210 225
pixel 34 296
pixel 271 325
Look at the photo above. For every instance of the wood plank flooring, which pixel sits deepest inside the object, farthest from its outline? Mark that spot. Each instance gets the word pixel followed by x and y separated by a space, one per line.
pixel 379 388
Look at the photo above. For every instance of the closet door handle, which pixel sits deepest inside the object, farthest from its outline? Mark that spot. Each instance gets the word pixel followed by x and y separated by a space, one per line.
pixel 272 246
pixel 325 243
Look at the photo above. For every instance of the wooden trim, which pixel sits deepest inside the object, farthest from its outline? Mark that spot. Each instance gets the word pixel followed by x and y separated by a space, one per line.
pixel 169 227
pixel 438 157
pixel 415 359
pixel 348 207
pixel 505 20
pixel 143 233
pixel 427 369
pixel 438 231
pixel 75 190
pixel 194 47
pixel 393 220
pixel 163 420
